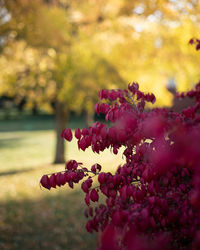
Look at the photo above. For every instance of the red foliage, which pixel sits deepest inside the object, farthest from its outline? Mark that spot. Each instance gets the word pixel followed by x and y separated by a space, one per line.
pixel 196 42
pixel 152 201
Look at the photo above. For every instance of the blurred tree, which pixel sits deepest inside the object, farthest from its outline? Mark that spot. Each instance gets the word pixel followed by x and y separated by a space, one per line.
pixel 78 75
pixel 47 58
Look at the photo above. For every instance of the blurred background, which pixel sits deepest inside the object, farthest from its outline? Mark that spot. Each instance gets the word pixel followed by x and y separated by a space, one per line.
pixel 55 55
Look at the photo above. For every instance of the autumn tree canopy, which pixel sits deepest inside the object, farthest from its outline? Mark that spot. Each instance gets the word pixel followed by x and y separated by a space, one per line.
pixel 58 53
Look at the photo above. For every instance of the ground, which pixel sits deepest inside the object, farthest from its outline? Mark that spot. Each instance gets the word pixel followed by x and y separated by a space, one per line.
pixel 31 217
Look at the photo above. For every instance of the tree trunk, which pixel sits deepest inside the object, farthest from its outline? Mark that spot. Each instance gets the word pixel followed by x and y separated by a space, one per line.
pixel 34 109
pixel 61 118
pixel 89 118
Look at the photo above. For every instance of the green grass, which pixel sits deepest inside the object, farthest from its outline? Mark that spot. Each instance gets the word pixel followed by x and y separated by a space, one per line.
pixel 31 218
pixel 28 122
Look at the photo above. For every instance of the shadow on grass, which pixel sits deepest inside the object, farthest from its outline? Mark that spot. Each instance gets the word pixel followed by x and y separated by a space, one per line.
pixel 12 172
pixel 27 123
pixel 53 222
pixel 13 142
pixel 39 122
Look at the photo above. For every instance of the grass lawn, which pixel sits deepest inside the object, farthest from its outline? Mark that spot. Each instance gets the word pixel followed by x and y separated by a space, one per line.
pixel 31 218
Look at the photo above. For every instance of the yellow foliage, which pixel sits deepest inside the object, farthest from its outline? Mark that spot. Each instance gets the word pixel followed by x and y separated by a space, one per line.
pixel 68 50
